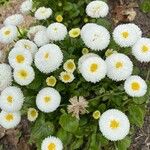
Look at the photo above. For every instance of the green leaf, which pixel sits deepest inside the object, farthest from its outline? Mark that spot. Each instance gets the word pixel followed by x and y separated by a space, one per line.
pixel 124 144
pixel 145 6
pixel 77 144
pixel 69 123
pixel 102 139
pixel 104 22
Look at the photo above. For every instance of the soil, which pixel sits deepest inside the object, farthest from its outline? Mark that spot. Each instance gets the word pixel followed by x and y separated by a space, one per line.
pixel 17 139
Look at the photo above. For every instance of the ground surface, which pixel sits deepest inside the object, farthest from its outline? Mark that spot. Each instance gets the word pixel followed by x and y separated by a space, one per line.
pixel 16 139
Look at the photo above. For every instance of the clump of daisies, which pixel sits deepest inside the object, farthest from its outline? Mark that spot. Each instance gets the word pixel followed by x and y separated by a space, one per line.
pixel 70 75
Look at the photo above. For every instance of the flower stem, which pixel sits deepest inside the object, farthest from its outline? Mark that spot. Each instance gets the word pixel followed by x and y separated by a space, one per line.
pixel 19 31
pixel 148 73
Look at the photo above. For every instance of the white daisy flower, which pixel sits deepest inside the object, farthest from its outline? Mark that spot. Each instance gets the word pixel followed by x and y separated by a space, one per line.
pixel 11 99
pixel 141 50
pixel 5 76
pixel 19 56
pixel 52 143
pixel 8 34
pixel 32 114
pixel 114 124
pixel 24 75
pixel 48 100
pixel 27 44
pixel 119 66
pixel 66 77
pixel 135 86
pixel 34 29
pixel 9 120
pixel 43 13
pixel 93 69
pixel 56 31
pixel 97 9
pixel 69 65
pixel 14 20
pixel 26 6
pixel 48 58
pixel 126 35
pixel 95 36
pixel 41 38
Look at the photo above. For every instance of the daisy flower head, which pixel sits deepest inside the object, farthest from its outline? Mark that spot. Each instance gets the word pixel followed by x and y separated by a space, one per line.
pixel 26 6
pixel 24 75
pixel 27 44
pixel 32 114
pixel 95 37
pixel 48 58
pixel 75 32
pixel 52 143
pixel 59 18
pixel 141 50
pixel 43 13
pixel 114 124
pixel 85 51
pixel 97 9
pixel 126 35
pixel 51 81
pixel 69 65
pixel 5 76
pixel 19 56
pixel 14 20
pixel 48 100
pixel 11 99
pixel 119 66
pixel 135 86
pixel 8 34
pixel 33 30
pixel 66 77
pixel 93 69
pixel 41 38
pixel 9 120
pixel 56 31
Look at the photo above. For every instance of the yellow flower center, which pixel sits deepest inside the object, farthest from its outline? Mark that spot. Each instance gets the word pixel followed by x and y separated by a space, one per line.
pixel 93 67
pixel 51 81
pixel 47 99
pixel 10 99
pixel 66 77
pixel 51 146
pixel 7 32
pixel 46 56
pixel 145 48
pixel 23 74
pixel 33 113
pixel 135 86
pixel 119 65
pixel 125 34
pixel 70 65
pixel 59 18
pixel 74 32
pixel 96 114
pixel 20 58
pixel 27 46
pixel 114 124
pixel 55 29
pixel 9 117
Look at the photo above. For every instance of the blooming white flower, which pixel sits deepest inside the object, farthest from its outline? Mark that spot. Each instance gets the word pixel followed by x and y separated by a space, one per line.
pixel 141 50
pixel 126 35
pixel 56 31
pixel 41 38
pixel 48 58
pixel 26 6
pixel 43 13
pixel 5 76
pixel 93 69
pixel 97 9
pixel 8 34
pixel 32 114
pixel 66 77
pixel 52 143
pixel 34 29
pixel 9 120
pixel 19 56
pixel 24 75
pixel 114 124
pixel 11 99
pixel 119 66
pixel 135 86
pixel 95 36
pixel 14 20
pixel 48 100
pixel 69 65
pixel 27 44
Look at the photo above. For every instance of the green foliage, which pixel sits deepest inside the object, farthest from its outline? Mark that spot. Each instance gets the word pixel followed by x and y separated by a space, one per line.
pixel 124 144
pixel 145 6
